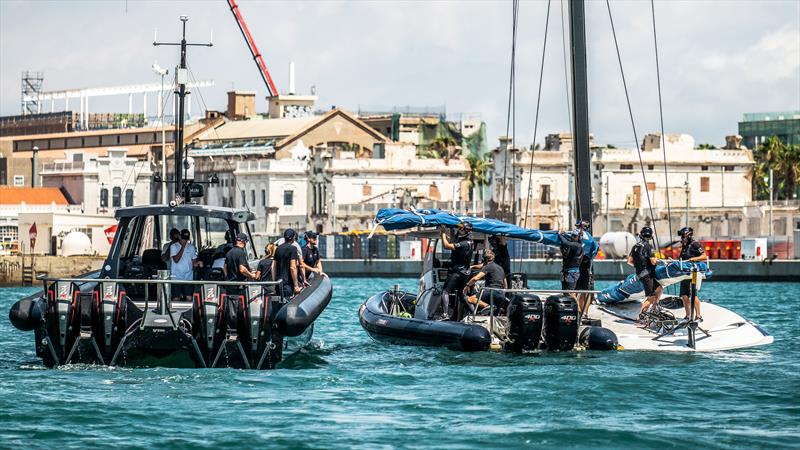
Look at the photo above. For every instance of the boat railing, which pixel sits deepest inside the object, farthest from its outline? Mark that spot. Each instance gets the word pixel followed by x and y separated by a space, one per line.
pixel 163 299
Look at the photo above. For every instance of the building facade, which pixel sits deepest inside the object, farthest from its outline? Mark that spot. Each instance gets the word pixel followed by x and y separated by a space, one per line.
pixel 755 128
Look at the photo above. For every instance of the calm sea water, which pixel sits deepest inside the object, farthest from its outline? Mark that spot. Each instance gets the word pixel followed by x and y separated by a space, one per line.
pixel 349 392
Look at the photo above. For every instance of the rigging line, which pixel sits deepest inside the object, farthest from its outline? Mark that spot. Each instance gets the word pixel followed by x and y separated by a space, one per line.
pixel 661 117
pixel 515 9
pixel 633 123
pixel 216 133
pixel 566 67
pixel 536 117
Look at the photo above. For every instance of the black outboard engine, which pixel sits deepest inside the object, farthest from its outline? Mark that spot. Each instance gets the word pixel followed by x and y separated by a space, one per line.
pixel 560 322
pixel 525 320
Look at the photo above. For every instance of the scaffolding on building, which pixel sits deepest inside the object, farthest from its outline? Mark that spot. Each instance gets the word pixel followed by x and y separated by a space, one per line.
pixel 31 89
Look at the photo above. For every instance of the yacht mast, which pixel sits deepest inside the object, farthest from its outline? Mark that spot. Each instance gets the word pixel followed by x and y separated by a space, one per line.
pixel 580 110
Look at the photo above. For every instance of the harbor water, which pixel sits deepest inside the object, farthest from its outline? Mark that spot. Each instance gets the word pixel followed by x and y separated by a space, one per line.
pixel 347 391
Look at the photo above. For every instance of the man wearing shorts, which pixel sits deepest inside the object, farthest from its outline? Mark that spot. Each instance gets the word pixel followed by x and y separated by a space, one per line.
pixel 691 251
pixel 643 259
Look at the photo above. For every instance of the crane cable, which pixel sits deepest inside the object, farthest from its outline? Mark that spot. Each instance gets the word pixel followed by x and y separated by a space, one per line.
pixel 633 123
pixel 511 114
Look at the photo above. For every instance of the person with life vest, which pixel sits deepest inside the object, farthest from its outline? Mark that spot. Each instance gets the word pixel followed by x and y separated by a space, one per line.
pixel 571 256
pixel 643 259
pixel 691 251
pixel 586 274
pixel 460 259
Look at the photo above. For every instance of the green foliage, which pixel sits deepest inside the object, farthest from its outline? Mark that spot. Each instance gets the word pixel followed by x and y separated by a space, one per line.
pixel 442 147
pixel 784 160
pixel 707 147
pixel 479 170
pixel 611 146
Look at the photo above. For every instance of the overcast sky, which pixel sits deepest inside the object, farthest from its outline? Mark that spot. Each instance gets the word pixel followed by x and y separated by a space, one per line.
pixel 719 59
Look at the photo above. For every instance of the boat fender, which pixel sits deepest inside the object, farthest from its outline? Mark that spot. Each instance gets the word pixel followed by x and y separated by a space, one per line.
pixel 297 315
pixel 26 314
pixel 598 338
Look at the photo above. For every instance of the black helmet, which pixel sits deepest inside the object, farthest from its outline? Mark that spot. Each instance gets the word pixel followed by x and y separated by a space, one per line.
pixel 465 227
pixel 583 224
pixel 685 232
pixel 646 233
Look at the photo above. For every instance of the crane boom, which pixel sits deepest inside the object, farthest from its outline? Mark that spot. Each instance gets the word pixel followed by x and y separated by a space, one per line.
pixel 251 45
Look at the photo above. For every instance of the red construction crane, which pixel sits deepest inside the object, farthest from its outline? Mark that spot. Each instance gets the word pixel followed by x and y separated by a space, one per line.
pixel 251 44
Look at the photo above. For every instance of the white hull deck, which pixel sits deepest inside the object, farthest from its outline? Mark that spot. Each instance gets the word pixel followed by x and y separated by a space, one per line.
pixel 726 329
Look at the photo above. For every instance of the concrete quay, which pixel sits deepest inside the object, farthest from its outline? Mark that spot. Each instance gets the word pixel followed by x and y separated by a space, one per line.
pixel 607 269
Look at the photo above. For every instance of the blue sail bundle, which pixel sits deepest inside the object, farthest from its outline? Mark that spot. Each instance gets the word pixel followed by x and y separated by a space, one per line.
pixel 673 272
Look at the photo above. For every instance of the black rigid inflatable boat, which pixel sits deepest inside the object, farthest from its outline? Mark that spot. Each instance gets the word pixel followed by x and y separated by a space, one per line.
pixel 124 314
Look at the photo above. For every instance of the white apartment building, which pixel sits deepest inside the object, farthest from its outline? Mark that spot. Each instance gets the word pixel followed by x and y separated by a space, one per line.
pixel 101 184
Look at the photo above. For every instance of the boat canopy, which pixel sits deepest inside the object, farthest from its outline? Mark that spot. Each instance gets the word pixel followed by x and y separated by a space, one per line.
pixel 400 219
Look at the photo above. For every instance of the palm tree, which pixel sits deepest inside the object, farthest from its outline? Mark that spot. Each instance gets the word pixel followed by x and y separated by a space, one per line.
pixel 479 173
pixel 442 147
pixel 706 146
pixel 784 160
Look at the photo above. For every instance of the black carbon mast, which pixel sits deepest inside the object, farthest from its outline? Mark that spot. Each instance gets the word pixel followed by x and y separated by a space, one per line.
pixel 580 110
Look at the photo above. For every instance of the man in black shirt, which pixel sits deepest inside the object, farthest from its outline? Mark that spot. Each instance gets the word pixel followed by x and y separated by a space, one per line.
pixel 691 251
pixel 586 277
pixel 494 277
pixel 236 267
pixel 643 259
pixel 571 256
pixel 285 266
pixel 311 262
pixel 460 259
pixel 501 257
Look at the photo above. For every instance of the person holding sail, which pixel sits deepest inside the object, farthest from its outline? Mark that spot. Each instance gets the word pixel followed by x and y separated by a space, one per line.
pixel 691 251
pixel 460 259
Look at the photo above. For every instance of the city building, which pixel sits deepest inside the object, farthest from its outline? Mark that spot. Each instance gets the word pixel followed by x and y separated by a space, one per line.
pixel 755 128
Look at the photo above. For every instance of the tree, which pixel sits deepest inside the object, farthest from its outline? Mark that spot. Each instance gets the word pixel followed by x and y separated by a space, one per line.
pixel 443 147
pixel 479 172
pixel 707 147
pixel 784 160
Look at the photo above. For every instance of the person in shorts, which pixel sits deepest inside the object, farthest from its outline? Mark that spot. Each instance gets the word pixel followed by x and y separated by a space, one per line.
pixel 586 277
pixel 691 251
pixel 643 259
pixel 494 277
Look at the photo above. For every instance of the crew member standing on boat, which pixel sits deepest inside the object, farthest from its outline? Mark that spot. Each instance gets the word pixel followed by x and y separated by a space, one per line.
pixel 174 236
pixel 501 257
pixel 460 259
pixel 586 276
pixel 311 261
pixel 264 269
pixel 286 265
pixel 643 259
pixel 691 251
pixel 571 255
pixel 183 260
pixel 236 267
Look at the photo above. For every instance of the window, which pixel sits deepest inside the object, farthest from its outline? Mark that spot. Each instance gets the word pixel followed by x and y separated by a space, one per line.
pixel 728 168
pixel 704 168
pixel 637 196
pixel 366 190
pixel 116 197
pixel 704 182
pixel 129 197
pixel 244 199
pixel 626 167
pixel 651 186
pixel 544 197
pixel 3 171
pixel 264 198
pixel 104 198
pixel 651 167
pixel 544 226
pixel 288 198
pixel 253 197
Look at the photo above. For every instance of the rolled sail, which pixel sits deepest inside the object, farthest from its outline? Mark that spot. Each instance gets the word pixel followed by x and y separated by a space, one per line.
pixel 631 289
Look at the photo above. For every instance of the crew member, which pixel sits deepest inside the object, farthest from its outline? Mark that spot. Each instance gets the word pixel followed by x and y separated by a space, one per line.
pixel 236 267
pixel 174 236
pixel 643 259
pixel 571 255
pixel 494 277
pixel 264 269
pixel 460 258
pixel 183 260
pixel 301 272
pixel 586 275
pixel 691 251
pixel 285 265
pixel 311 261
pixel 501 257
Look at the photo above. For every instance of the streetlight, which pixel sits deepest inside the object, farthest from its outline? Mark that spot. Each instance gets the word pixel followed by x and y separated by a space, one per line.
pixel 769 181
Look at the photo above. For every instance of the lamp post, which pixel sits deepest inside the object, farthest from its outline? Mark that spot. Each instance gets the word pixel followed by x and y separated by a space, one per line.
pixel 770 203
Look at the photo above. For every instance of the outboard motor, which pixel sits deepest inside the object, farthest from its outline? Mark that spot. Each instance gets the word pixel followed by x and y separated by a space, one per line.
pixel 561 322
pixel 525 321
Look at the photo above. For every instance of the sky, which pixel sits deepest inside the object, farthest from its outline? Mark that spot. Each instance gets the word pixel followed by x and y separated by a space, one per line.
pixel 718 59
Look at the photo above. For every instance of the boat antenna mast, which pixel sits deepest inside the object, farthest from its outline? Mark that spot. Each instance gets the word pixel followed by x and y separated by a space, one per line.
pixel 182 188
pixel 580 110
